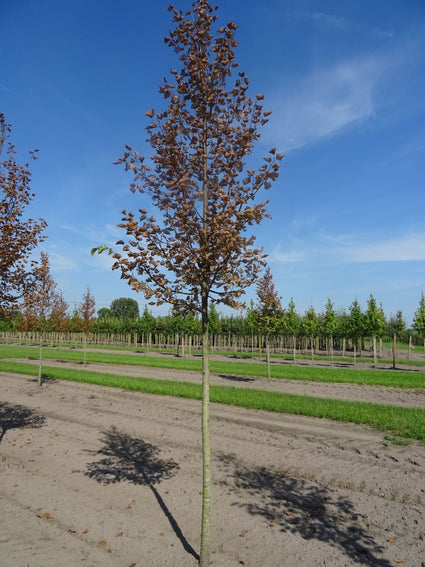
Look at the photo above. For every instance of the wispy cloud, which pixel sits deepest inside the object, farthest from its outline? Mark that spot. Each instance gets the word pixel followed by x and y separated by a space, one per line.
pixel 340 23
pixel 333 249
pixel 406 248
pixel 326 102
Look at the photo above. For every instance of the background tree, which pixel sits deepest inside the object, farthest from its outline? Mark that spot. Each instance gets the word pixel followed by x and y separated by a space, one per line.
pixel 197 252
pixel 419 318
pixel 329 325
pixel 125 308
pixel 86 311
pixel 310 326
pixel 292 324
pixel 396 327
pixel 268 310
pixel 104 313
pixel 18 236
pixel 40 299
pixel 374 324
pixel 356 325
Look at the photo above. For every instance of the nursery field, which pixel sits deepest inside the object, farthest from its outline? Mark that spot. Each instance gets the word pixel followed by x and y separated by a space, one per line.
pixel 316 466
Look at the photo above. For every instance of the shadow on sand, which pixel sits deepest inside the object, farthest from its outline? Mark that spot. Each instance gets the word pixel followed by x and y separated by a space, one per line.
pixel 15 417
pixel 302 507
pixel 127 458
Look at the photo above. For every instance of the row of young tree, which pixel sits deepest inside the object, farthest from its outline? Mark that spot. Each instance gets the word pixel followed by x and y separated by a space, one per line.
pixel 46 310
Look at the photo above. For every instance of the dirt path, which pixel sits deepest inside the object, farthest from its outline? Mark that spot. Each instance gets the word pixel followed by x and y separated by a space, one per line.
pixel 102 477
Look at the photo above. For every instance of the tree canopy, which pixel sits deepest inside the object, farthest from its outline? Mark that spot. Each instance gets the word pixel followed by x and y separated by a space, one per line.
pixel 19 236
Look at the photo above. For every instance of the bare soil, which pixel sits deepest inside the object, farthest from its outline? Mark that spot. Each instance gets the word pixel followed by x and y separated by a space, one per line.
pixel 98 476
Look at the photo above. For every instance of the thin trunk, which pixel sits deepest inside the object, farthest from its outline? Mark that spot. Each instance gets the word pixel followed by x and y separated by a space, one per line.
pixel 375 354
pixel 40 361
pixel 205 551
pixel 354 352
pixel 410 346
pixel 394 349
pixel 312 349
pixel 332 350
pixel 295 346
pixel 268 356
pixel 85 349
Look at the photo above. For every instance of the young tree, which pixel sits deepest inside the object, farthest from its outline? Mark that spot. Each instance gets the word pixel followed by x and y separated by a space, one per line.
pixel 86 311
pixel 268 310
pixel 397 328
pixel 18 236
pixel 356 325
pixel 329 325
pixel 197 252
pixel 40 300
pixel 310 326
pixel 419 318
pixel 374 324
pixel 292 324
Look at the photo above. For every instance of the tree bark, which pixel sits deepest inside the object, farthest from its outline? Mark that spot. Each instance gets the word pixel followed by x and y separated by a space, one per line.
pixel 205 552
pixel 394 349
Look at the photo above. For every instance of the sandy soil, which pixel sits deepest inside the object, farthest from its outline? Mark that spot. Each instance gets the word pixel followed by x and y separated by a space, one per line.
pixel 103 477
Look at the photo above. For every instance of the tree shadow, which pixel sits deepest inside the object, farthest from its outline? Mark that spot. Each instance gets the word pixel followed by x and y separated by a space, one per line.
pixel 130 459
pixel 45 381
pixel 236 378
pixel 301 507
pixel 15 417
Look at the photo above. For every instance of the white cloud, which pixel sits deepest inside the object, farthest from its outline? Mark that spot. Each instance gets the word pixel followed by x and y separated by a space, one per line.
pixel 407 248
pixel 277 255
pixel 325 103
pixel 340 249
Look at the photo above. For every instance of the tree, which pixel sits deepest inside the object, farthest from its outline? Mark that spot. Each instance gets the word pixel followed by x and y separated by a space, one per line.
pixel 329 325
pixel 40 302
pixel 374 323
pixel 356 324
pixel 397 328
pixel 419 318
pixel 292 324
pixel 198 252
pixel 104 313
pixel 86 311
pixel 310 326
pixel 125 308
pixel 18 236
pixel 268 310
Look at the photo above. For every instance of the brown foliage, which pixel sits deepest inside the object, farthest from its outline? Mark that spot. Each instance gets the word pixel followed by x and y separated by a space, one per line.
pixel 196 178
pixel 86 310
pixel 42 302
pixel 18 236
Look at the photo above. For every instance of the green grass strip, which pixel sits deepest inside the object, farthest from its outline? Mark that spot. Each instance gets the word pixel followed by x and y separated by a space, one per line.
pixel 408 423
pixel 393 378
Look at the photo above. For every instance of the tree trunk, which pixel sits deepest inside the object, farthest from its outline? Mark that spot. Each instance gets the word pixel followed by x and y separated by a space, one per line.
pixel 268 356
pixel 394 349
pixel 410 346
pixel 40 361
pixel 204 559
pixel 375 354
pixel 312 348
pixel 295 346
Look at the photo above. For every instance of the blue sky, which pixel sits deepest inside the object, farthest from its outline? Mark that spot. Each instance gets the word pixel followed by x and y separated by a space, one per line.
pixel 345 82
